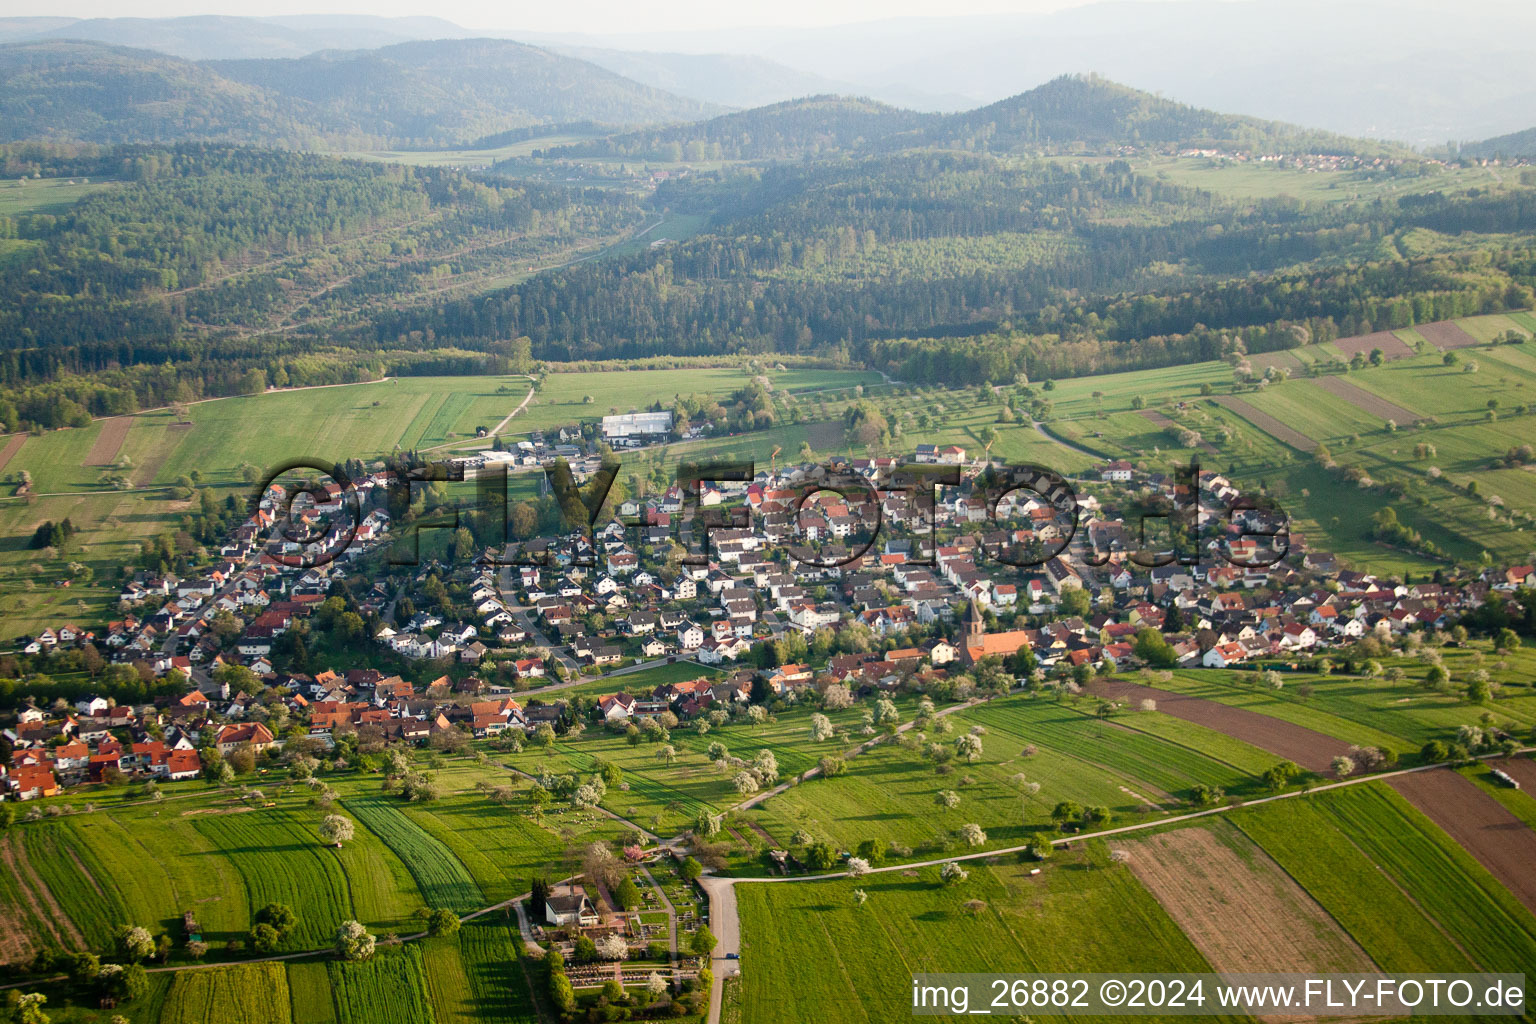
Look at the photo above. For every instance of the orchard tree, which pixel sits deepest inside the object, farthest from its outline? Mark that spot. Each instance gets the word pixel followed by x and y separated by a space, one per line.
pixel 821 727
pixel 442 921
pixel 353 941
pixel 766 767
pixel 336 829
pixel 137 943
pixel 968 747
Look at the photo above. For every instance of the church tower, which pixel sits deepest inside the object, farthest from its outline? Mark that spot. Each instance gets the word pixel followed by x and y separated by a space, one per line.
pixel 975 625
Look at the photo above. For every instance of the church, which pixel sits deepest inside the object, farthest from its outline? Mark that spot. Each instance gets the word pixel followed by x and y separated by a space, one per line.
pixel 979 644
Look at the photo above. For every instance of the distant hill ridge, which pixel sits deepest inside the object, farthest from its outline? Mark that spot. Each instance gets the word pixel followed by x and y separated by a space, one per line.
pixel 421 93
pixel 1070 112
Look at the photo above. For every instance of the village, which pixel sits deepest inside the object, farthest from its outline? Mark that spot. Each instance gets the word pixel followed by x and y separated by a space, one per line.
pixel 794 592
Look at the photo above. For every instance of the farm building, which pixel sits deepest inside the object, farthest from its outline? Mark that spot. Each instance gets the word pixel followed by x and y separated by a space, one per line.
pixel 642 424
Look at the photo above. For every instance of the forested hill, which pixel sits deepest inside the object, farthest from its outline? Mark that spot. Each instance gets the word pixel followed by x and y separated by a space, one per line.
pixel 192 266
pixel 77 91
pixel 1087 111
pixel 455 90
pixel 1093 264
pixel 1074 113
pixel 810 127
pixel 1515 144
pixel 428 93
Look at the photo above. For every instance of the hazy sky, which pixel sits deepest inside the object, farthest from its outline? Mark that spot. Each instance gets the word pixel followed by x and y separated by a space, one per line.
pixel 597 16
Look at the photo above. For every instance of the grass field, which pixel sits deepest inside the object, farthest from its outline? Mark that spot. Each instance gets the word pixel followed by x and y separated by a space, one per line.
pixel 1402 716
pixel 46 195
pixel 390 988
pixel 250 994
pixel 1308 842
pixel 283 862
pixel 309 992
pixel 440 878
pixel 487 985
pixel 888 793
pixel 809 953
pixel 1497 933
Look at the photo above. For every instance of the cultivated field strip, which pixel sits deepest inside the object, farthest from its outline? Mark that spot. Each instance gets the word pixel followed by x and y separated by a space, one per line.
pixel 282 862
pixel 1445 335
pixel 1267 423
pixel 1362 399
pixel 309 992
pixel 12 446
pixel 1312 750
pixel 1140 757
pixel 1308 843
pixel 61 863
pixel 488 950
pixel 1282 358
pixel 388 989
pixel 1496 930
pixel 1522 769
pixel 1502 843
pixel 1239 908
pixel 249 994
pixel 1392 347
pixel 442 879
pixel 109 441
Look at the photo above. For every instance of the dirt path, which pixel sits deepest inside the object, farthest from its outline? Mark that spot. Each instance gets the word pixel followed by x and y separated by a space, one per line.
pixel 1499 841
pixel 1364 400
pixel 498 428
pixel 1045 432
pixel 109 442
pixel 487 441
pixel 1445 335
pixel 1312 750
pixel 1267 423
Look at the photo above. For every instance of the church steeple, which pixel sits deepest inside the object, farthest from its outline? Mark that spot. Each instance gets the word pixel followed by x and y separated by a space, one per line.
pixel 975 625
